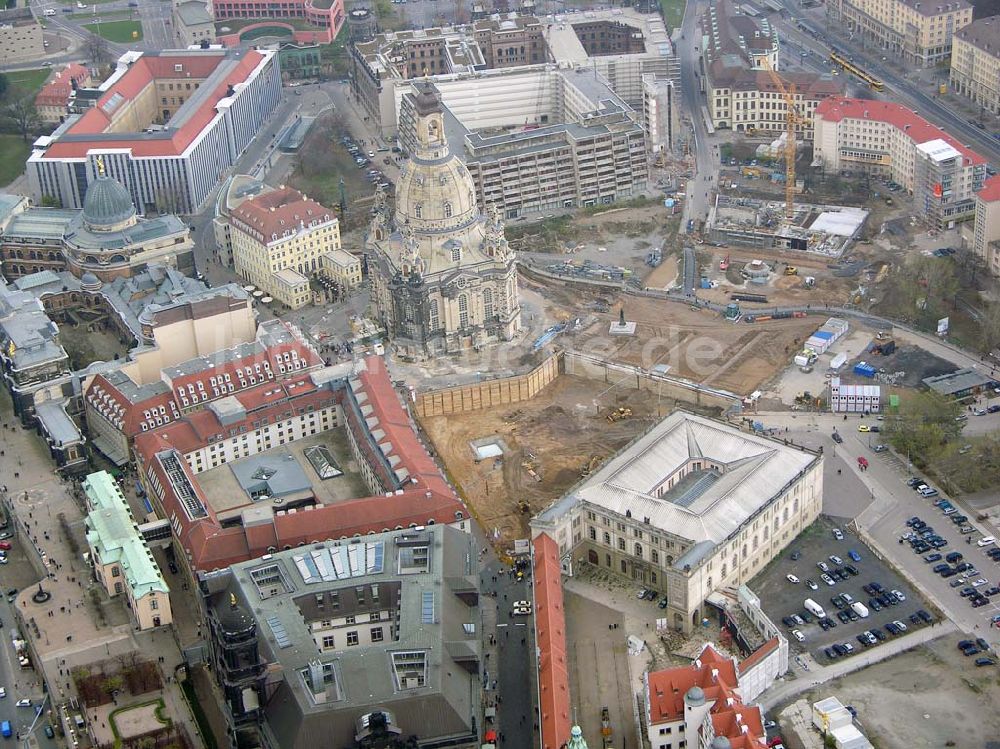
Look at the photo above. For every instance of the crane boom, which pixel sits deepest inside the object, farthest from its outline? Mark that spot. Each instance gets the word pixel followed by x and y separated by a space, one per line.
pixel 791 120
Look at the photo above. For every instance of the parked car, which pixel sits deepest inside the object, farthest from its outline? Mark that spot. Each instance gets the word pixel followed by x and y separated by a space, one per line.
pixel 791 578
pixel 838 534
pixel 836 560
pixel 855 557
pixel 827 579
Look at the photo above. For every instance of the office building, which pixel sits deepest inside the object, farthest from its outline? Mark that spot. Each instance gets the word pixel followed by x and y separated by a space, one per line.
pixel 889 140
pixel 327 15
pixel 344 641
pixel 975 63
pixel 279 238
pixel 166 125
pixel 443 276
pixel 918 32
pixel 193 23
pixel 700 706
pixel 119 557
pixel 692 506
pixel 20 37
pixel 731 33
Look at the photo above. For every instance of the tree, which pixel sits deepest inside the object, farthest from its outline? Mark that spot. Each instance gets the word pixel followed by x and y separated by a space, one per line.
pixel 927 284
pixel 924 423
pixel 4 85
pixel 990 328
pixel 50 201
pixel 20 111
pixel 95 49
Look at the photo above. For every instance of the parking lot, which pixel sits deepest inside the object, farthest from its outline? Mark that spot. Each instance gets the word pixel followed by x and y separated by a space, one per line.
pixel 782 598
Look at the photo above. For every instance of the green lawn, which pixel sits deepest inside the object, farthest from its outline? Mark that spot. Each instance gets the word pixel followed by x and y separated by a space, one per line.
pixel 28 81
pixel 13 153
pixel 673 12
pixel 116 31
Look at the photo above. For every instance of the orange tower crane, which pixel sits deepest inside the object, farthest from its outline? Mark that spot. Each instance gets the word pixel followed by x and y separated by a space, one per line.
pixel 792 118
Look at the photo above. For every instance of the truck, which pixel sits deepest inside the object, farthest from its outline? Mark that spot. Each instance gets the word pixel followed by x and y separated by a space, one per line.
pixel 860 609
pixel 814 608
pixel 805 358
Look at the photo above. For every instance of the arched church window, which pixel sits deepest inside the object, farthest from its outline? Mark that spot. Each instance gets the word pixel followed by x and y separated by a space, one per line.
pixel 418 210
pixel 463 311
pixel 488 304
pixel 447 210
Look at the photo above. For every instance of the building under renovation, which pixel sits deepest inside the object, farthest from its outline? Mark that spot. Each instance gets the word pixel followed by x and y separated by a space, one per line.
pixel 823 229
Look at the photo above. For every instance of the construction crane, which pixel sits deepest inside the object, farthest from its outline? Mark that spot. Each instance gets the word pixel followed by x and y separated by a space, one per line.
pixel 792 119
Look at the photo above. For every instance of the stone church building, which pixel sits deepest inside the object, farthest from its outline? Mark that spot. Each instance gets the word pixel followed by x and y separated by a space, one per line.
pixel 443 276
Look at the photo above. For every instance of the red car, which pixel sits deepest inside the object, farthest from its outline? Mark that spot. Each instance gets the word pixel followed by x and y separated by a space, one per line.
pixel 5 545
pixel 777 741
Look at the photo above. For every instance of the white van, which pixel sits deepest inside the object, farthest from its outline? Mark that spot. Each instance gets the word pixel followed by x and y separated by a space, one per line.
pixel 50 12
pixel 814 608
pixel 986 541
pixel 860 609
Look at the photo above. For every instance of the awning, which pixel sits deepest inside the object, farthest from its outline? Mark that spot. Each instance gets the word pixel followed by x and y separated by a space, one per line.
pixel 110 451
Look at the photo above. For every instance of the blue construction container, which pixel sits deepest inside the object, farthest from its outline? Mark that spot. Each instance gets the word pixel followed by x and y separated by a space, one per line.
pixel 865 370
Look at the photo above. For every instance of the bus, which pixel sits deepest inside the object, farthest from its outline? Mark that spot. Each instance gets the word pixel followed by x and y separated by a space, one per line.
pixel 874 83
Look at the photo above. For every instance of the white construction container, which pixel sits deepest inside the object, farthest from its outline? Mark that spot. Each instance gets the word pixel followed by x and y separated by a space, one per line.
pixel 838 361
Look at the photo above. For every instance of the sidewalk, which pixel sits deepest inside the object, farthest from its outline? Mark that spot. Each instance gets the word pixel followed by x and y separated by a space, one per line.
pixel 782 692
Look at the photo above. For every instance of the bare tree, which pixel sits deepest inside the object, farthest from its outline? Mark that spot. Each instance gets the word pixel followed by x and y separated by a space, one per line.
pixel 95 48
pixel 20 110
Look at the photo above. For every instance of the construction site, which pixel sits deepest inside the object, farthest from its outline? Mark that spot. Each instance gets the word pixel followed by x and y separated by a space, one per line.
pixel 533 462
pixel 821 229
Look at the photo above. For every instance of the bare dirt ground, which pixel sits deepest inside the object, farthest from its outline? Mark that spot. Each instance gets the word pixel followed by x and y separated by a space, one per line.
pixel 553 435
pixel 696 344
pixel 932 696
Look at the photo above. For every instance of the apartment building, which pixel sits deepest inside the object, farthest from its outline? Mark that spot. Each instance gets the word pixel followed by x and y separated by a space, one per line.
pixel 731 33
pixel 620 46
pixel 919 32
pixel 886 139
pixel 975 63
pixel 582 144
pixel 677 510
pixel 322 14
pixel 398 56
pixel 120 559
pixel 986 232
pixel 747 100
pixel 279 240
pixel 52 102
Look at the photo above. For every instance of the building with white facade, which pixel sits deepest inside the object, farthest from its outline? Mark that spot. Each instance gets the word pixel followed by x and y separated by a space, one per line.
pixel 700 705
pixel 620 45
pixel 886 139
pixel 166 125
pixel 986 232
pixel 692 506
pixel 119 556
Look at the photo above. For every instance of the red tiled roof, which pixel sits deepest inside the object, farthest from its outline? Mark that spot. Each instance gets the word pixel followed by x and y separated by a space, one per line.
pixel 715 674
pixel 56 92
pixel 916 127
pixel 426 497
pixel 144 72
pixel 991 189
pixel 278 212
pixel 550 623
pixel 758 655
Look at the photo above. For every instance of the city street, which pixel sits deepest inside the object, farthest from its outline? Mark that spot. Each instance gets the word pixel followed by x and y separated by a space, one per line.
pixel 701 184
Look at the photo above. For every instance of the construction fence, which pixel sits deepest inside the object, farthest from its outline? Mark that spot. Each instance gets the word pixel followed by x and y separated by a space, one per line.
pixel 489 394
